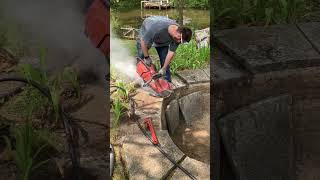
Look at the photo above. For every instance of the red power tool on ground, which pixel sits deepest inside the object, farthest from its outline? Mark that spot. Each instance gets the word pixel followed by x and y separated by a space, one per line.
pixel 149 126
pixel 154 80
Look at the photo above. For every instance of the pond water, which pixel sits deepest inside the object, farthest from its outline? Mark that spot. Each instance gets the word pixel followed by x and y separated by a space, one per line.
pixel 193 18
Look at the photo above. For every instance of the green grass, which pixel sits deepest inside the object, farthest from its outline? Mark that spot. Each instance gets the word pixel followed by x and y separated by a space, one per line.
pixel 230 13
pixel 187 56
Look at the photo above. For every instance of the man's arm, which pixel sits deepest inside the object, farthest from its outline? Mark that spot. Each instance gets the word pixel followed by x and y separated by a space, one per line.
pixel 144 48
pixel 169 58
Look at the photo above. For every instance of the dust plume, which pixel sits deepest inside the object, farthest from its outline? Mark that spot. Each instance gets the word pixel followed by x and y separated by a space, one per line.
pixel 122 61
pixel 59 25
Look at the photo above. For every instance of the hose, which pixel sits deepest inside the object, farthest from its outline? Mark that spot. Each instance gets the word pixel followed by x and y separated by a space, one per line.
pixel 71 135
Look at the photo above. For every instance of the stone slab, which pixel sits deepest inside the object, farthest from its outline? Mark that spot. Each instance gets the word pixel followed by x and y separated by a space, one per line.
pixel 311 30
pixel 198 169
pixel 177 83
pixel 306 114
pixel 264 49
pixel 194 76
pixel 224 67
pixel 192 106
pixel 144 161
pixel 207 71
pixel 307 155
pixel 173 116
pixel 202 37
pixel 258 139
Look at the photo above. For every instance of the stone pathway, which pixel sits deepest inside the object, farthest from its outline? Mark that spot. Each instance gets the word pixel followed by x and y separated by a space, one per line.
pixel 143 160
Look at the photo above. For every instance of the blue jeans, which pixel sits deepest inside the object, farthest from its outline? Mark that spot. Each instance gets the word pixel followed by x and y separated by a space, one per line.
pixel 162 52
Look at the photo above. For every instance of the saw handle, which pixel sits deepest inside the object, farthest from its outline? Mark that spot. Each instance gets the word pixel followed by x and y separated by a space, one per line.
pixel 149 126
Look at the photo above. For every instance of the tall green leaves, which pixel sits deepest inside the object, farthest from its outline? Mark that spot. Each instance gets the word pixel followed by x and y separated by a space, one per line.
pixel 29 144
pixel 54 84
pixel 190 57
pixel 120 100
pixel 257 12
pixel 118 110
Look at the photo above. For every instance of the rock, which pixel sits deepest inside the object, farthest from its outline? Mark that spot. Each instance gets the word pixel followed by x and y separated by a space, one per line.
pixel 202 37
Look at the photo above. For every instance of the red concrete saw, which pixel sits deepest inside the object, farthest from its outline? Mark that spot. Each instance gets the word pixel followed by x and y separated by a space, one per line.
pixel 160 86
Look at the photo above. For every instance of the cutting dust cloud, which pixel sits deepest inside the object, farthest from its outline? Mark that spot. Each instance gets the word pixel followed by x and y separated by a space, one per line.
pixel 59 25
pixel 123 63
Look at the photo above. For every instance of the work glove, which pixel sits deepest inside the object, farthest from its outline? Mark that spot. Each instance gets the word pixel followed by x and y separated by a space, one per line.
pixel 147 61
pixel 162 71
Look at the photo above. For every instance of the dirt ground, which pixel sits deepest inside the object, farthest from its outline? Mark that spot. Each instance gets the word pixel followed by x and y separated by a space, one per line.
pixel 194 140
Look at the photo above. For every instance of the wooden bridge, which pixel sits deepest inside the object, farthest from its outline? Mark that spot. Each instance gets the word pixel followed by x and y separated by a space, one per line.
pixel 161 4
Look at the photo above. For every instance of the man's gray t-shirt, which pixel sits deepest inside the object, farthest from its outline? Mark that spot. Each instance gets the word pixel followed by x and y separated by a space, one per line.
pixel 154 31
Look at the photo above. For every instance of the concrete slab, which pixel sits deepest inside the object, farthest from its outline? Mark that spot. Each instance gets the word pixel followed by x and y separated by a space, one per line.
pixel 96 166
pixel 144 161
pixel 258 139
pixel 307 155
pixel 194 76
pixel 225 68
pixel 177 83
pixel 148 106
pixel 196 168
pixel 261 49
pixel 306 114
pixel 311 30
pixel 192 107
pixel 172 116
pixel 207 71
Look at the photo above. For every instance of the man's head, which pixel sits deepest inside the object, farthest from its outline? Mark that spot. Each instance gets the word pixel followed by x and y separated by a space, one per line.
pixel 182 34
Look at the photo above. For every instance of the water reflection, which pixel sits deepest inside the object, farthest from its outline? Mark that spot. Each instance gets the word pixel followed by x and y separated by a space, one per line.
pixel 132 19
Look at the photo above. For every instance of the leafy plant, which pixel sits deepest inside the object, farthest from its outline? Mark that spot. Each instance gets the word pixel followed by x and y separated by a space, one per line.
pixel 118 109
pixel 70 75
pixel 54 85
pixel 190 57
pixel 55 92
pixel 123 93
pixel 29 144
